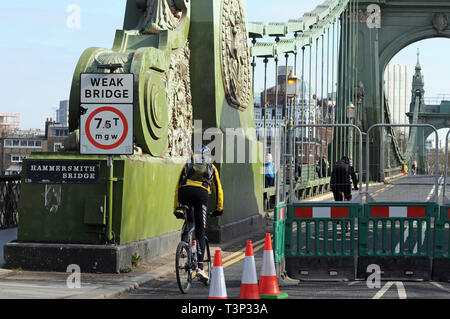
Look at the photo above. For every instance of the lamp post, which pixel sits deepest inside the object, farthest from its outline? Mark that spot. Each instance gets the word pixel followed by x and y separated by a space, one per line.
pixel 351 117
pixel 292 93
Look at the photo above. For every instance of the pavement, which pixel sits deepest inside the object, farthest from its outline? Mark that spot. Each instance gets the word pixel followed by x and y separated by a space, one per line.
pixel 22 284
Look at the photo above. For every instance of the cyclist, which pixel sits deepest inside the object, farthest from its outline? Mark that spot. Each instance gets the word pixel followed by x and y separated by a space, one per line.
pixel 197 178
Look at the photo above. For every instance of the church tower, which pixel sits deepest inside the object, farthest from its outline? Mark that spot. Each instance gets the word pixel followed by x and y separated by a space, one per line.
pixel 418 85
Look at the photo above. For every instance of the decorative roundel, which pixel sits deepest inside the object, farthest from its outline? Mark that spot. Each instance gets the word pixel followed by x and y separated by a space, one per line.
pixel 440 22
pixel 235 54
pixel 156 113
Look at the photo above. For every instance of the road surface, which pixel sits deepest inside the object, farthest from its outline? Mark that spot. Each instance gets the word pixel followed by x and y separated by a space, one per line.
pixel 409 187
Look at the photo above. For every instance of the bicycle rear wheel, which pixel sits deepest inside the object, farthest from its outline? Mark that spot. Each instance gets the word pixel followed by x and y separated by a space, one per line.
pixel 183 267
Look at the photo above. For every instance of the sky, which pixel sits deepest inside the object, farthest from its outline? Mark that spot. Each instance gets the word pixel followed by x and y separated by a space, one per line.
pixel 43 40
pixel 41 44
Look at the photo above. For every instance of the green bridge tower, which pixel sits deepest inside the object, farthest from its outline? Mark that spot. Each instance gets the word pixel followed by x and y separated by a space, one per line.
pixel 192 84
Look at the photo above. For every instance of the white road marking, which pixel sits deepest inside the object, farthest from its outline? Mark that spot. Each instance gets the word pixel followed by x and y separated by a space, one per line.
pixel 438 285
pixel 353 283
pixel 423 229
pixel 381 292
pixel 434 188
pixel 400 290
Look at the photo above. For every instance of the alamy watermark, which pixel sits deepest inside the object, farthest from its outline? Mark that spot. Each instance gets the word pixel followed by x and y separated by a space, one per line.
pixel 374 279
pixel 232 145
pixel 236 145
pixel 371 16
pixel 373 20
pixel 73 281
pixel 73 20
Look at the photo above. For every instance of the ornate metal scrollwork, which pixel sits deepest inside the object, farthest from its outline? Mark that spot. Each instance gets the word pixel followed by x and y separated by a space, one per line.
pixel 440 22
pixel 161 15
pixel 178 84
pixel 157 52
pixel 235 55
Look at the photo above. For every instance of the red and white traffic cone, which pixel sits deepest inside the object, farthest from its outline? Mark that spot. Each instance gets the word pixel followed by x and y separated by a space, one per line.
pixel 268 284
pixel 249 282
pixel 217 289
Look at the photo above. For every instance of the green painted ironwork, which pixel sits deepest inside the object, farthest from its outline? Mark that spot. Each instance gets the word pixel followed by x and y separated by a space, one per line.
pixel 321 237
pixel 312 26
pixel 441 247
pixel 280 215
pixel 80 214
pixel 388 240
pixel 378 45
pixel 9 200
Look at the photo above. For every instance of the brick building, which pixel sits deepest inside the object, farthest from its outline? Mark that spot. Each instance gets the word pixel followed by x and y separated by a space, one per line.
pixel 15 145
pixel 55 133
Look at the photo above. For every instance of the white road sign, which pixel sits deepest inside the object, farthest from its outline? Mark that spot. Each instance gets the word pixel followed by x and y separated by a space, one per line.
pixel 113 88
pixel 106 129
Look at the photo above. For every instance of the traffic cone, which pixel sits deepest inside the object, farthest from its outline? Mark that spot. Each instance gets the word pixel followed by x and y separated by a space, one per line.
pixel 217 289
pixel 268 284
pixel 249 282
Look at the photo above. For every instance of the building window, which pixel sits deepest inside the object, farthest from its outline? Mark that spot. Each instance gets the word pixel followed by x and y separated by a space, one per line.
pixel 17 158
pixel 23 143
pixel 59 132
pixel 57 147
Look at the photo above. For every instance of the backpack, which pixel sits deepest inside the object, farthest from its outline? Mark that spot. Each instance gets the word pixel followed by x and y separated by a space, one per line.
pixel 199 172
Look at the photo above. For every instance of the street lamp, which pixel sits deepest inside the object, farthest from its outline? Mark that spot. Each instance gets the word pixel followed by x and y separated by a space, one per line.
pixel 351 117
pixel 351 111
pixel 292 90
pixel 293 84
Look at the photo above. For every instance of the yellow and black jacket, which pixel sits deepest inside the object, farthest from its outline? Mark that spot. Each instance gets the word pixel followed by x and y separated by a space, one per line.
pixel 210 179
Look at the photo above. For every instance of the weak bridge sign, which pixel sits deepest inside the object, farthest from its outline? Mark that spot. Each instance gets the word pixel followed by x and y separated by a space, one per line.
pixel 106 113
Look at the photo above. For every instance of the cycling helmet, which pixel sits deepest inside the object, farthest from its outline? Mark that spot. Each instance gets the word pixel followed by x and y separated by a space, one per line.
pixel 202 154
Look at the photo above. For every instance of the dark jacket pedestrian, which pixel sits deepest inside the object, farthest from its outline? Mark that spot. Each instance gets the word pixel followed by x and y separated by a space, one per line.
pixel 321 167
pixel 340 180
pixel 298 170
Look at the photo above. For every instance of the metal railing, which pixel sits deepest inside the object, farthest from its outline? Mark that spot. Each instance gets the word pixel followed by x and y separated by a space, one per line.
pixel 9 201
pixel 434 197
pixel 358 141
pixel 446 199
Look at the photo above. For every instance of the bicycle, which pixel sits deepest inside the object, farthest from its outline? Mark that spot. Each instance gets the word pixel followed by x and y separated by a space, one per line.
pixel 186 255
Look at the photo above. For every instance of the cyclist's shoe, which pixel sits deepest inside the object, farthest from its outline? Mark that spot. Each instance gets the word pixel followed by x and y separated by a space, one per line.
pixel 202 275
pixel 217 213
pixel 179 214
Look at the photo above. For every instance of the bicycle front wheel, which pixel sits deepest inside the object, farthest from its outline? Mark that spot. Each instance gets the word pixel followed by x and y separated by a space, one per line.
pixel 183 267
